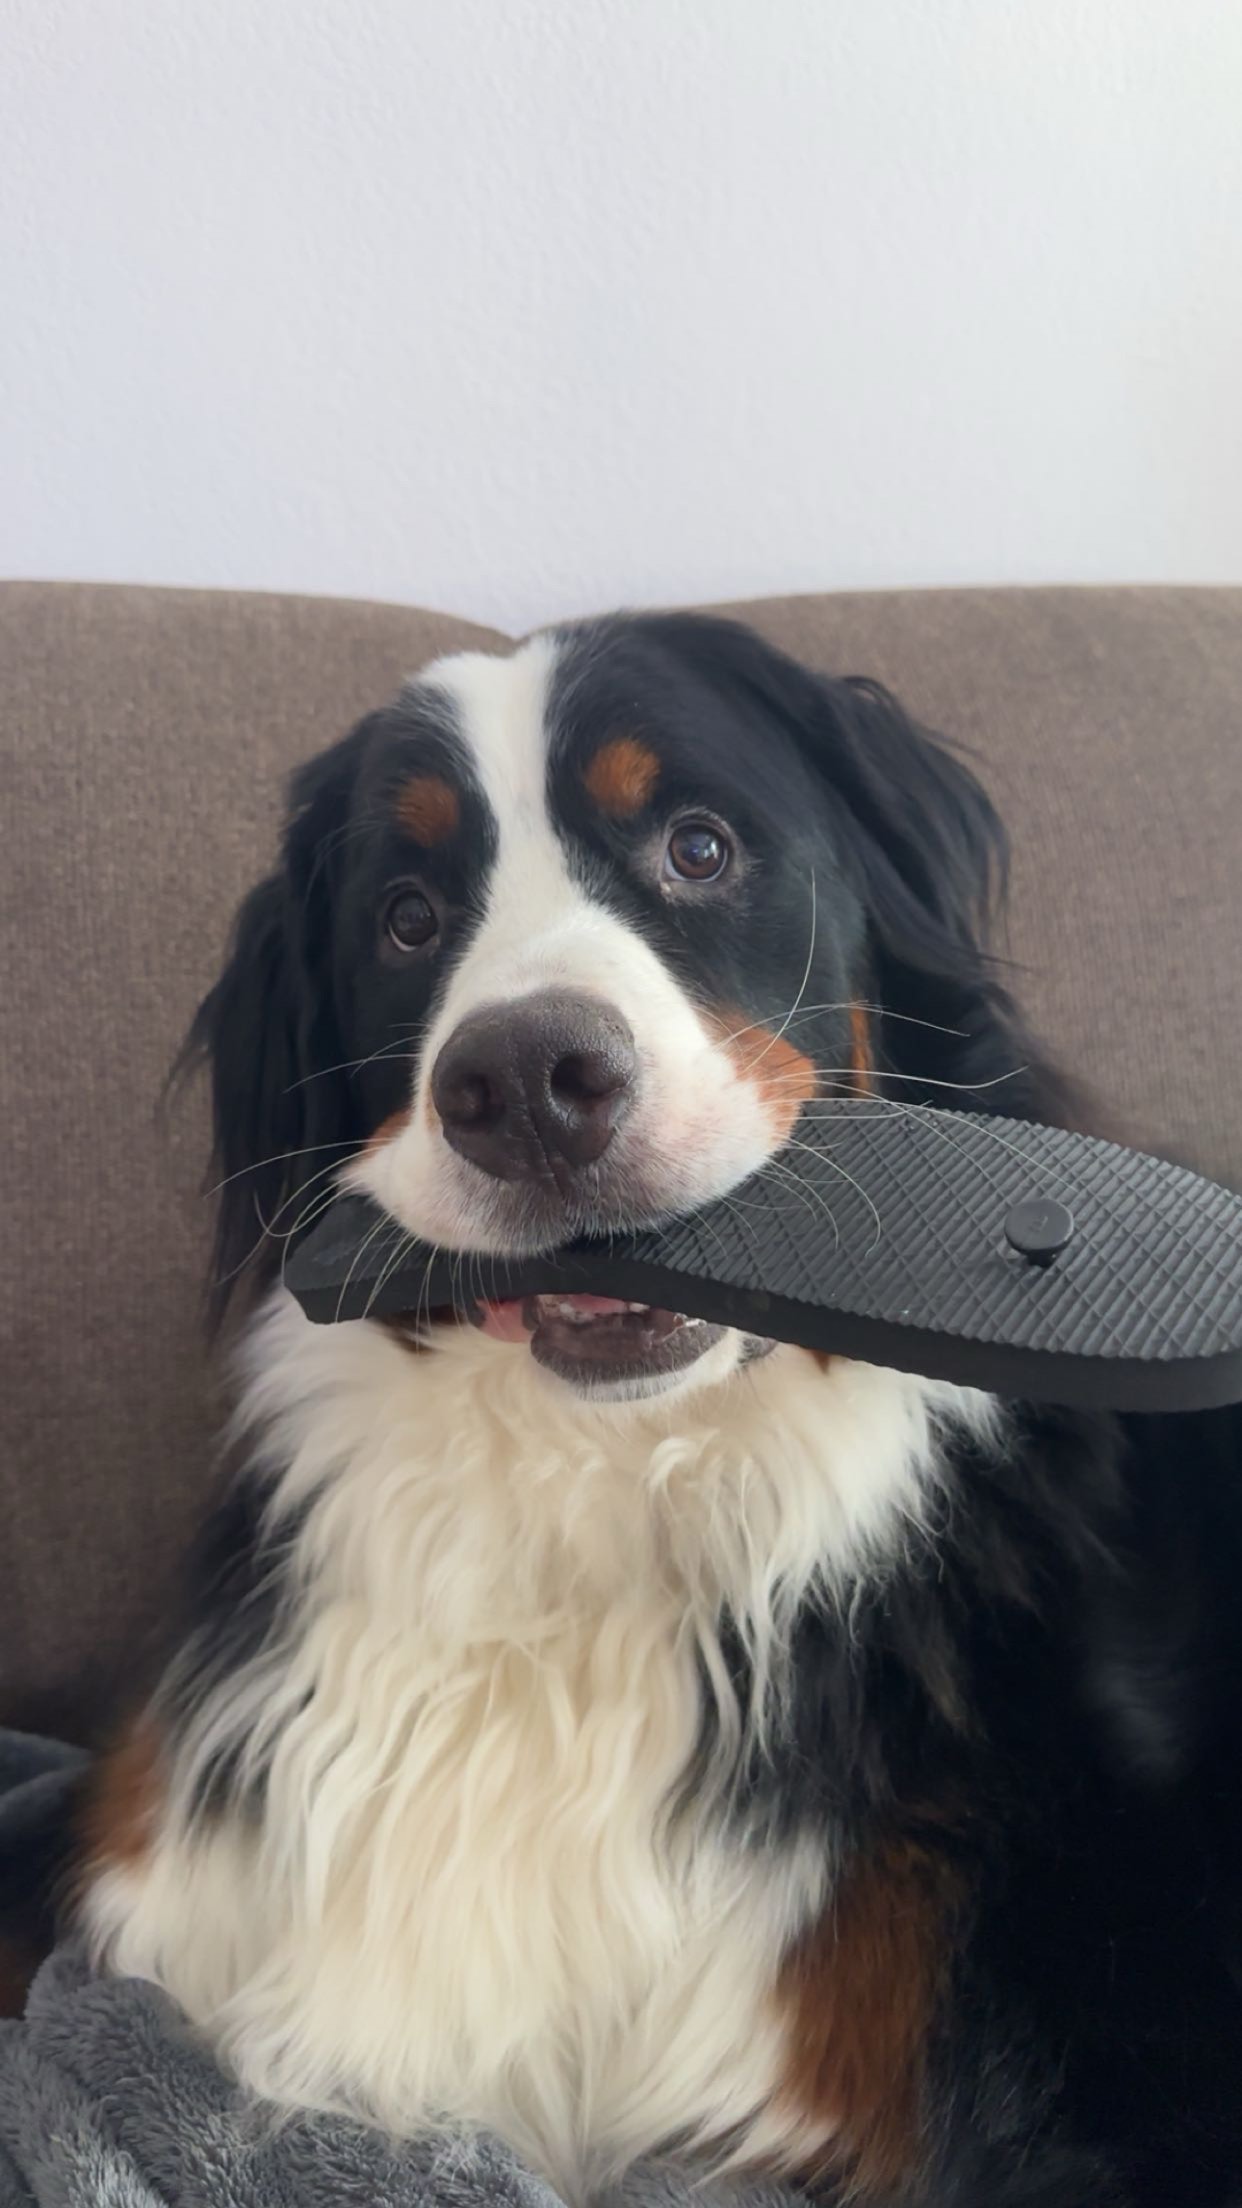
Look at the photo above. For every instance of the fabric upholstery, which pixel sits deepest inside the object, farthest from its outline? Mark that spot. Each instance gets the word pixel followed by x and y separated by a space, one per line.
pixel 146 735
pixel 144 739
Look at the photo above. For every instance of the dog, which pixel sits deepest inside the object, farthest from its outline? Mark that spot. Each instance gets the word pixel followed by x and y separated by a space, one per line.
pixel 629 1735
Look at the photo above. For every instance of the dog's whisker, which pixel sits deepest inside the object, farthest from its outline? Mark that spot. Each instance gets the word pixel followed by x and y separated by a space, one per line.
pixel 983 1126
pixel 424 1293
pixel 318 1209
pixel 849 1004
pixel 813 1197
pixel 225 1280
pixel 833 1165
pixel 806 975
pixel 383 1221
pixel 355 1065
pixel 404 1241
pixel 281 1157
pixel 321 1173
pixel 909 1019
pixel 920 1080
pixel 321 1200
pixel 268 1231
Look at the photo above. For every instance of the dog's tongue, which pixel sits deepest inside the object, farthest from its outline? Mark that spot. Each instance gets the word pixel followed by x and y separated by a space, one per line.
pixel 508 1321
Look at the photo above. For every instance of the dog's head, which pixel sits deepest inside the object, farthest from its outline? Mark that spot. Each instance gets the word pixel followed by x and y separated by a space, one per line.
pixel 567 941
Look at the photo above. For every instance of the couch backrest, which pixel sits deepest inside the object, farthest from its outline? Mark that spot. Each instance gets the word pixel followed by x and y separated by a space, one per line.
pixel 144 738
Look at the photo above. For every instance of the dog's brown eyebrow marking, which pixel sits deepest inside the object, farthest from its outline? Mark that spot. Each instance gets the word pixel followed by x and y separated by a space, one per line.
pixel 621 776
pixel 428 808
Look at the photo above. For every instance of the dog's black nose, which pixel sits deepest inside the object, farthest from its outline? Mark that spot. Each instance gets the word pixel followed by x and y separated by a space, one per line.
pixel 522 1089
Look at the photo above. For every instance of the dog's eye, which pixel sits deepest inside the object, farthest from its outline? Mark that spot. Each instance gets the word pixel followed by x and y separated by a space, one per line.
pixel 410 920
pixel 697 852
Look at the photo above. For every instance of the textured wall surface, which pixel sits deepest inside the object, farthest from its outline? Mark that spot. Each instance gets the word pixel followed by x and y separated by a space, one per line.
pixel 522 308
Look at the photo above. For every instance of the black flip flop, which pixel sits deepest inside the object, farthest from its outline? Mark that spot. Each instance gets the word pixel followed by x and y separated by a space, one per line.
pixel 1020 1259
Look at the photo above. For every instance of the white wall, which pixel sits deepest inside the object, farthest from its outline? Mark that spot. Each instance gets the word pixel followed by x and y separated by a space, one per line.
pixel 524 306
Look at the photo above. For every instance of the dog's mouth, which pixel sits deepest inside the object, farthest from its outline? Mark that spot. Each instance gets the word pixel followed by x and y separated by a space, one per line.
pixel 601 1344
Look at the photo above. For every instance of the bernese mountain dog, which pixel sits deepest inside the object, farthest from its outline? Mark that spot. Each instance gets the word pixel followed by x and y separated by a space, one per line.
pixel 630 1736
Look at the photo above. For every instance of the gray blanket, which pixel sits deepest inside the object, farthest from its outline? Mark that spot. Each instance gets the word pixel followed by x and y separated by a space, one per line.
pixel 107 2099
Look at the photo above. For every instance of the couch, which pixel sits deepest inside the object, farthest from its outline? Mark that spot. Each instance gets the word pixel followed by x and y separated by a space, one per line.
pixel 144 738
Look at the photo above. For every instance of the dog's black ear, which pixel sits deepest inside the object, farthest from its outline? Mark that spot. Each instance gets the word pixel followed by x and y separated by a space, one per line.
pixel 283 1111
pixel 929 846
pixel 929 857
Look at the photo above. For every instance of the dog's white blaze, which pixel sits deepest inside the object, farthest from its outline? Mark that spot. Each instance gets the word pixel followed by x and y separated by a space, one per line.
pixel 698 1127
pixel 470 1897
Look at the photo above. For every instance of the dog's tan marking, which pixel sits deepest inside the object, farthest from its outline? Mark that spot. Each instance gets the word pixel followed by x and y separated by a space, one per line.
pixel 123 1803
pixel 429 809
pixel 861 1061
pixel 621 776
pixel 784 1076
pixel 387 1131
pixel 859 1992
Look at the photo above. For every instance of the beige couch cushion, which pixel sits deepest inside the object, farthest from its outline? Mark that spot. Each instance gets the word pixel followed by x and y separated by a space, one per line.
pixel 145 736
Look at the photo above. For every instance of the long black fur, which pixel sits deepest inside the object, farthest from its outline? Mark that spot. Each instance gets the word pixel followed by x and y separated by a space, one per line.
pixel 268 1032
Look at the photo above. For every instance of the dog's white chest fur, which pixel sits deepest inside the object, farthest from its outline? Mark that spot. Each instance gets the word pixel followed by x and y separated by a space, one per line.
pixel 475 1891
